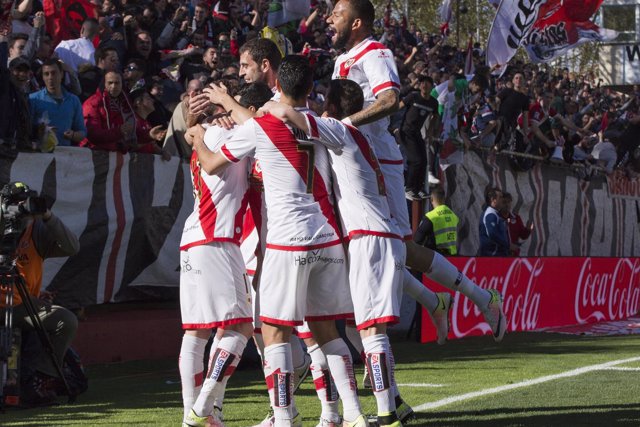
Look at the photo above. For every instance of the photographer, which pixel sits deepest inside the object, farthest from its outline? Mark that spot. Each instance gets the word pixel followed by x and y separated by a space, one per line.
pixel 43 236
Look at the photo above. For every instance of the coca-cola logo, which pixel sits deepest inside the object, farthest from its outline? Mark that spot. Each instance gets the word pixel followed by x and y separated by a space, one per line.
pixel 605 293
pixel 518 285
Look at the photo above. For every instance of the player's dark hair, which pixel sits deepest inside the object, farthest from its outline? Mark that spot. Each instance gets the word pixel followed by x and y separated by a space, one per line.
pixel 345 96
pixel 364 10
pixel 295 76
pixel 255 95
pixel 261 49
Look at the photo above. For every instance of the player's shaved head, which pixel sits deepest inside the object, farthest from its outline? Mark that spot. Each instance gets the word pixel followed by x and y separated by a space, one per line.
pixel 363 10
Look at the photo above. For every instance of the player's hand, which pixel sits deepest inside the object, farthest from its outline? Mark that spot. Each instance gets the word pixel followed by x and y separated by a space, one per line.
pixel 193 133
pixel 198 103
pixel 216 93
pixel 225 122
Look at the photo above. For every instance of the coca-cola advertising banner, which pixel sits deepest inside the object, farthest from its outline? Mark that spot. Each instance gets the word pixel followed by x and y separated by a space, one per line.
pixel 544 292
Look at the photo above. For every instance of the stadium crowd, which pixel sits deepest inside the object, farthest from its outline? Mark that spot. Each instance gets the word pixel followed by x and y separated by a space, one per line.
pixel 121 85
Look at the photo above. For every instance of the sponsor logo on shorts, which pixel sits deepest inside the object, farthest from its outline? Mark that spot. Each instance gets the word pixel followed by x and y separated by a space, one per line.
pixel 222 360
pixel 313 257
pixel 310 238
pixel 378 371
pixel 188 268
pixel 282 394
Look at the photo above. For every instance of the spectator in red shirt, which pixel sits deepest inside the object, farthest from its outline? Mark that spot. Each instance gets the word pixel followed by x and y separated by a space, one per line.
pixel 515 226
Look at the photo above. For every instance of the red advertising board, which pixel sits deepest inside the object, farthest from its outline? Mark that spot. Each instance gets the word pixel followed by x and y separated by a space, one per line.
pixel 544 292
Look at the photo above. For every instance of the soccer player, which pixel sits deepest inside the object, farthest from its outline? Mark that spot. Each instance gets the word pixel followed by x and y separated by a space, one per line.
pixel 371 65
pixel 376 251
pixel 303 273
pixel 210 249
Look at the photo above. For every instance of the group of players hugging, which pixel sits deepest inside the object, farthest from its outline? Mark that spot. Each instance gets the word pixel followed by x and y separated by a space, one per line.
pixel 306 217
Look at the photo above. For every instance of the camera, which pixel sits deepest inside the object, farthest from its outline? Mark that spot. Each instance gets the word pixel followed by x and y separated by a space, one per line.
pixel 16 202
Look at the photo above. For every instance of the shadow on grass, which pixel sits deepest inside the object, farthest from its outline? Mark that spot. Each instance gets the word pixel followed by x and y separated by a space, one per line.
pixel 597 415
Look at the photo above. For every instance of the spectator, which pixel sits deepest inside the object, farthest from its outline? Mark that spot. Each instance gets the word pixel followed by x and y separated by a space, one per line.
pixel 439 229
pixel 133 74
pixel 494 238
pixel 56 107
pixel 147 137
pixel 515 226
pixel 175 143
pixel 106 59
pixel 511 103
pixel 109 116
pixel 81 50
pixel 44 236
pixel 419 107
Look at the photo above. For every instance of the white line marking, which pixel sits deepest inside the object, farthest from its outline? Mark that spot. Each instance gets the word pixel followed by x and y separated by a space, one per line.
pixel 527 383
pixel 621 369
pixel 421 385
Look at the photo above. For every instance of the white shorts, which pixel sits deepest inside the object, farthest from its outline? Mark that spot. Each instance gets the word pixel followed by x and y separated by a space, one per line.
pixel 394 183
pixel 301 331
pixel 376 267
pixel 214 289
pixel 304 285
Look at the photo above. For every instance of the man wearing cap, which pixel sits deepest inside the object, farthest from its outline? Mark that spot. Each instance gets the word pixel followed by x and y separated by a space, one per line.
pixel 16 110
pixel 43 236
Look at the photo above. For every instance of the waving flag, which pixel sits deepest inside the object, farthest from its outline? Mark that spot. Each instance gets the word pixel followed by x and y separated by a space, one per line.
pixel 562 26
pixel 283 11
pixel 514 19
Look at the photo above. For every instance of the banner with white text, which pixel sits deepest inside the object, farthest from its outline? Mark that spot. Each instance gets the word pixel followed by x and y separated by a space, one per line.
pixel 544 293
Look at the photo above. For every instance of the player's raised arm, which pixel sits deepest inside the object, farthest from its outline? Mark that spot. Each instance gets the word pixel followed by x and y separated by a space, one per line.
pixel 209 161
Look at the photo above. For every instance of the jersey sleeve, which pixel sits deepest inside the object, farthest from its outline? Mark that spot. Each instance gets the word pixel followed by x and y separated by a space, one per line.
pixel 242 143
pixel 213 138
pixel 381 71
pixel 330 132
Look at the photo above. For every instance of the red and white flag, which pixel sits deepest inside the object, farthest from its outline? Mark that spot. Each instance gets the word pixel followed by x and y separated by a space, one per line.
pixel 469 66
pixel 514 19
pixel 562 26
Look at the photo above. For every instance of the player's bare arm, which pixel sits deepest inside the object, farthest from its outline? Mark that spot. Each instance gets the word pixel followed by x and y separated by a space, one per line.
pixel 218 95
pixel 386 104
pixel 210 162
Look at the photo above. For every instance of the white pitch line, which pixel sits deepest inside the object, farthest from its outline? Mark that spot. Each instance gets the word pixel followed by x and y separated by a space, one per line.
pixel 621 369
pixel 527 383
pixel 421 385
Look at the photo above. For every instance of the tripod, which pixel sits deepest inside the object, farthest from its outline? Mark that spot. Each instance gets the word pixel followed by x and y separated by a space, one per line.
pixel 10 280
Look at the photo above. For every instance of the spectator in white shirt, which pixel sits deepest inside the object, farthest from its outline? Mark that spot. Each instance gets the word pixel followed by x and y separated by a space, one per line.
pixel 79 51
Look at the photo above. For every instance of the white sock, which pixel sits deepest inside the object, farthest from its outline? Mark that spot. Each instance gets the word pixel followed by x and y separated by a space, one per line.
pixel 297 353
pixel 419 292
pixel 278 373
pixel 224 362
pixel 379 363
pixel 341 366
pixel 324 384
pixel 353 335
pixel 445 273
pixel 191 369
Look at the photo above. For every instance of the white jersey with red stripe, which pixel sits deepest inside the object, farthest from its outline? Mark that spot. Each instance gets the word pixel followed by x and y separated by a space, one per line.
pixel 371 65
pixel 220 200
pixel 296 176
pixel 360 190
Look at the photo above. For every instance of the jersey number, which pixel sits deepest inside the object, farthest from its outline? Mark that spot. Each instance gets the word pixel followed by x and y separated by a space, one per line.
pixel 308 149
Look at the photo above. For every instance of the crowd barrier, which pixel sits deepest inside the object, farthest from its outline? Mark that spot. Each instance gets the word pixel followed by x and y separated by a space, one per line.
pixel 128 212
pixel 544 292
